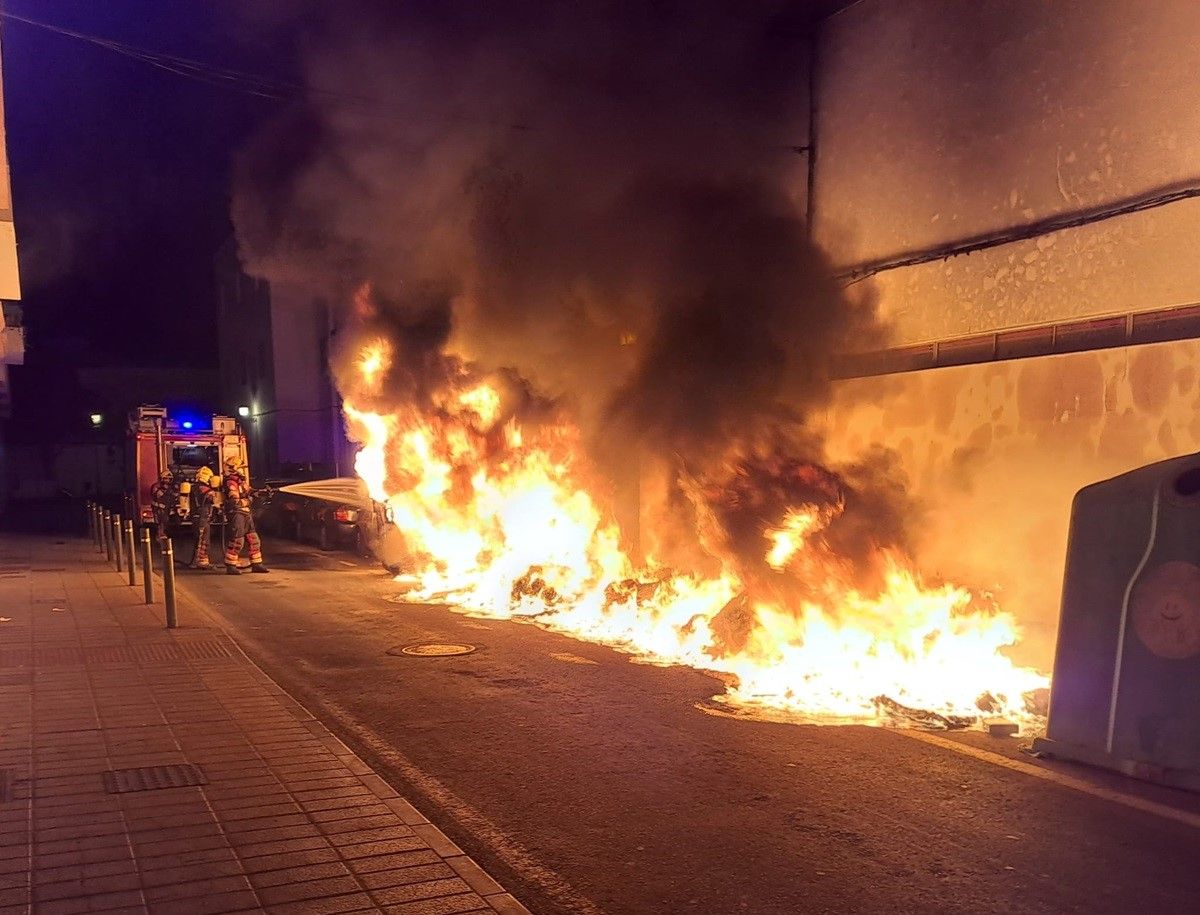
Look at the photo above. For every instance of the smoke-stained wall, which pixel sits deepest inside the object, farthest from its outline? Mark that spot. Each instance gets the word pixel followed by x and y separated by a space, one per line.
pixel 996 452
pixel 938 121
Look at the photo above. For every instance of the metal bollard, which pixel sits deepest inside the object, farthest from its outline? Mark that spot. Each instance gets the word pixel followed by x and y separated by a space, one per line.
pixel 132 564
pixel 106 532
pixel 101 538
pixel 147 562
pixel 87 506
pixel 169 582
pixel 116 536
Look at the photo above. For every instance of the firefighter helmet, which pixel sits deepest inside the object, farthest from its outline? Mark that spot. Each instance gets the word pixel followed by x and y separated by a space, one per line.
pixel 231 465
pixel 166 476
pixel 204 475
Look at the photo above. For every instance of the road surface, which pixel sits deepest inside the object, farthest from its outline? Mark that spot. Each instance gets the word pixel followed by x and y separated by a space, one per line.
pixel 589 783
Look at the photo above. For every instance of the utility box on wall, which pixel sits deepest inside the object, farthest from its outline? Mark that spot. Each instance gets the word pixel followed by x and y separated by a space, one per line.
pixel 1127 665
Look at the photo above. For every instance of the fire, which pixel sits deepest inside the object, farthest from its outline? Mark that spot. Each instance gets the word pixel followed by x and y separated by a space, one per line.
pixel 501 521
pixel 789 538
pixel 374 361
pixel 484 402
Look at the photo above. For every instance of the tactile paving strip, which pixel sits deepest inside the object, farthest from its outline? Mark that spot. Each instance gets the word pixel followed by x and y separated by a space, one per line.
pixel 151 778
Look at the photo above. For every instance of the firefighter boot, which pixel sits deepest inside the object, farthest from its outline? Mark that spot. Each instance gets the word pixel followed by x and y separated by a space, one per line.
pixel 259 567
pixel 231 569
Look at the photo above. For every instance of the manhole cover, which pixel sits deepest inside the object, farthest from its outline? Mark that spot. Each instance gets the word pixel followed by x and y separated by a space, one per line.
pixel 436 650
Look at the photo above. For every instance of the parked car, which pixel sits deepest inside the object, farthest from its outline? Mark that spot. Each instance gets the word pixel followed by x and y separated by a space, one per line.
pixel 280 514
pixel 348 520
pixel 330 525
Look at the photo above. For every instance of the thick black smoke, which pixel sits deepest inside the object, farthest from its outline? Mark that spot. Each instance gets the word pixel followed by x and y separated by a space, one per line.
pixel 603 198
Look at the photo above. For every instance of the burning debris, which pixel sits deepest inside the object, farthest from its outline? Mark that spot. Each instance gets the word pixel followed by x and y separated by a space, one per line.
pixel 513 527
pixel 614 300
pixel 903 715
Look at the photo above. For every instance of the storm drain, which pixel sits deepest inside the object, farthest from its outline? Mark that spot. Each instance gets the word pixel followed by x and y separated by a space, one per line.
pixel 151 778
pixel 432 650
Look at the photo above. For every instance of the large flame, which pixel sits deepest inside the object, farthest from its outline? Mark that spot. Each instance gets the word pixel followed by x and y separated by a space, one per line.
pixel 500 521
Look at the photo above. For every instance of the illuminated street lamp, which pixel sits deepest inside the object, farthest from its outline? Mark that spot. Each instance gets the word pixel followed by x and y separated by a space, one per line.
pixel 243 411
pixel 97 419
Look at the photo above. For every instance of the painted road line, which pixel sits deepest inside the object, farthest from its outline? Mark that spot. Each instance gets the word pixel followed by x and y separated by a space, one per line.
pixel 1067 781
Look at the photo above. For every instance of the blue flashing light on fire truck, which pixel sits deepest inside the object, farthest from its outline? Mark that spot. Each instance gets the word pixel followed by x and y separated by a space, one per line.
pixel 158 444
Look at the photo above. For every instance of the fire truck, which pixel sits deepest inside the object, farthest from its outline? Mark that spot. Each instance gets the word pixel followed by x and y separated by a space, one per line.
pixel 158 443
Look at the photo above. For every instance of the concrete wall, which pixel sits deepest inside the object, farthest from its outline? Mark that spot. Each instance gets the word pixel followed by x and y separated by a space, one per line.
pixel 273 341
pixel 83 469
pixel 994 454
pixel 940 120
pixel 244 339
pixel 307 415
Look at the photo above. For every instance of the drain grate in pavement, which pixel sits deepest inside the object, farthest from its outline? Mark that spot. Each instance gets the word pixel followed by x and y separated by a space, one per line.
pixel 436 650
pixel 152 778
pixel 115 654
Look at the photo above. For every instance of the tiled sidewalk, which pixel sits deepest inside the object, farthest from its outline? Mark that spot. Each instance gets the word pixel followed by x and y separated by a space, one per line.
pixel 287 819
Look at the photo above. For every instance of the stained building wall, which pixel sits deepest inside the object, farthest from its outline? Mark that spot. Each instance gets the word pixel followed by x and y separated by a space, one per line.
pixel 938 121
pixel 995 453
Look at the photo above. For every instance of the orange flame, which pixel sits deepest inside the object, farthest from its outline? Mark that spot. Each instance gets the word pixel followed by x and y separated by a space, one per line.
pixel 373 361
pixel 519 535
pixel 786 540
pixel 484 402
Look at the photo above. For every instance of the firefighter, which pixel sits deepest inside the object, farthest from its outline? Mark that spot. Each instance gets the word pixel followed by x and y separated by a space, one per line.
pixel 202 509
pixel 162 503
pixel 240 524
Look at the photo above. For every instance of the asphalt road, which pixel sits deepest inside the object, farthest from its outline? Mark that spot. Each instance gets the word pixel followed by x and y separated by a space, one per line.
pixel 589 783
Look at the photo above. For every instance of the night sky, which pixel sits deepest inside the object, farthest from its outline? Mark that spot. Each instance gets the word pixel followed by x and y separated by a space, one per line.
pixel 121 171
pixel 120 180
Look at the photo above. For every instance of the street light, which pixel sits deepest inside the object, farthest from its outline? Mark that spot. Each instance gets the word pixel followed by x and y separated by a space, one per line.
pixel 243 411
pixel 97 419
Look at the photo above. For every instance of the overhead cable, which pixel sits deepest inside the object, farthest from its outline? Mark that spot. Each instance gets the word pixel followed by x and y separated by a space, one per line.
pixel 211 74
pixel 1149 200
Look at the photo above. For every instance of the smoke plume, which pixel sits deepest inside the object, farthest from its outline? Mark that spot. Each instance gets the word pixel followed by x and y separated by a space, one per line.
pixel 604 201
